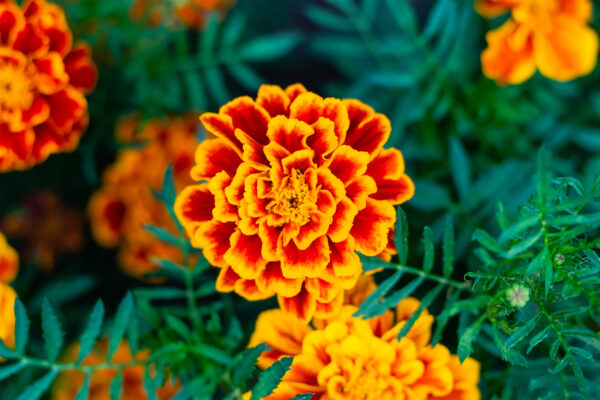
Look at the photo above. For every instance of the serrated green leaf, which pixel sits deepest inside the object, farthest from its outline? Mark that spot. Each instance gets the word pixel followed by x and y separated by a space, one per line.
pixel 270 378
pixel 271 47
pixel 163 235
pixel 582 353
pixel 52 332
pixel 395 298
pixel 84 390
pixel 178 326
pixel 116 386
pixel 133 334
pixel 521 333
pixel 35 390
pixel 461 168
pixel 11 369
pixel 560 366
pixel 523 245
pixel 327 19
pixel 401 238
pixel 518 227
pixel 21 327
pixel 465 342
pixel 375 297
pixel 442 320
pixel 245 365
pixel 92 331
pixel 215 82
pixel 426 302
pixel 303 396
pixel 245 75
pixel 539 337
pixel 436 19
pixel 487 241
pixel 169 268
pixel 448 247
pixel 122 317
pixel 429 249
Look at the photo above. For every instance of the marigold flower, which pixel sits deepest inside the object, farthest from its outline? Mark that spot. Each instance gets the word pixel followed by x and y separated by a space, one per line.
pixel 68 383
pixel 351 358
pixel 295 185
pixel 551 36
pixel 48 227
pixel 7 315
pixel 43 79
pixel 125 202
pixel 9 261
pixel 191 13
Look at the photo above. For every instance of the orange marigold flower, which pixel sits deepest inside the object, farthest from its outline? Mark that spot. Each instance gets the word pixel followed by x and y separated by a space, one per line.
pixel 9 261
pixel 125 202
pixel 48 227
pixel 351 358
pixel 7 315
pixel 551 36
pixel 43 79
pixel 68 383
pixel 295 185
pixel 191 13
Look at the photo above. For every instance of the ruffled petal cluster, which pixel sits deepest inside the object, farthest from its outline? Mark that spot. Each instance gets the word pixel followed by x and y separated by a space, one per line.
pixel 7 315
pixel 43 80
pixel 125 202
pixel 9 261
pixel 190 13
pixel 68 383
pixel 47 226
pixel 295 185
pixel 551 36
pixel 349 358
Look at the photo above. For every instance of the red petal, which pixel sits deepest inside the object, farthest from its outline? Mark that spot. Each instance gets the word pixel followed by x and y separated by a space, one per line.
pixel 348 163
pixel 328 181
pixel 51 73
pixel 213 238
pixel 273 99
pixel 368 131
pixel 395 191
pixel 246 115
pixel 371 227
pixel 226 279
pixel 324 140
pixel 81 69
pixel 322 290
pixel 244 255
pixel 342 221
pixel 38 112
pixel 248 289
pixel 310 262
pixel 213 156
pixel 11 20
pixel 301 160
pixel 272 278
pixel 252 150
pixel 290 134
pixel 194 205
pixel 360 189
pixel 235 191
pixel 344 260
pixel 317 227
pixel 66 108
pixel 301 306
pixel 270 240
pixel 31 41
pixel 329 309
pixel 222 127
pixel 388 164
pixel 223 210
pixel 309 107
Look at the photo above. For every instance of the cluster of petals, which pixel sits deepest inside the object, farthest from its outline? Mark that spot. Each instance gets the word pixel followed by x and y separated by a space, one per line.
pixel 9 261
pixel 348 358
pixel 295 185
pixel 47 228
pixel 7 315
pixel 551 36
pixel 191 13
pixel 43 80
pixel 69 382
pixel 125 202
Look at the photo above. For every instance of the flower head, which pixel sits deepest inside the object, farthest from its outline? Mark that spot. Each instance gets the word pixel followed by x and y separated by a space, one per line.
pixel 9 261
pixel 517 295
pixel 68 383
pixel 351 358
pixel 551 36
pixel 48 227
pixel 125 202
pixel 7 315
pixel 43 79
pixel 191 13
pixel 295 185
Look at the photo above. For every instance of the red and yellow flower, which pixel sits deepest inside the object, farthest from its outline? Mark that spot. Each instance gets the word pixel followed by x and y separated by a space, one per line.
pixel 68 383
pixel 125 202
pixel 43 80
pixel 551 36
pixel 191 13
pixel 350 358
pixel 7 315
pixel 47 226
pixel 9 261
pixel 295 185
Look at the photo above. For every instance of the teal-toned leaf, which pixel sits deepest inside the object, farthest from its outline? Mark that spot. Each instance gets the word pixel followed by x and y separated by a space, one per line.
pixel 538 262
pixel 487 241
pixel 92 331
pixel 163 235
pixel 395 80
pixel 523 245
pixel 116 386
pixel 245 75
pixel 501 216
pixel 327 19
pixel 211 353
pixel 465 343
pixel 6 352
pixel 168 193
pixel 426 302
pixel 539 337
pixel 448 247
pixel 461 167
pixel 178 326
pixel 52 332
pixel 117 332
pixel 245 366
pixel 521 333
pixel 35 390
pixel 21 327
pixel 84 390
pixel 10 369
pixel 303 396
pixel 375 297
pixel 149 385
pixel 517 228
pixel 582 353
pixel 442 320
pixel 403 14
pixel 233 29
pixel 195 89
pixel 161 293
pixel 560 366
pixel 270 378
pixel 548 274
pixel 133 334
pixel 429 249
pixel 170 268
pixel 395 298
pixel 215 82
pixel 271 47
pixel 543 178
pixel 401 239
pixel 209 36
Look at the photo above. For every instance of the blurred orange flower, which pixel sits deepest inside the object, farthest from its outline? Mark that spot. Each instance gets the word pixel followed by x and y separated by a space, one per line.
pixel 125 202
pixel 48 227
pixel 43 79
pixel 296 184
pixel 68 383
pixel 551 36
pixel 191 13
pixel 9 261
pixel 7 315
pixel 351 358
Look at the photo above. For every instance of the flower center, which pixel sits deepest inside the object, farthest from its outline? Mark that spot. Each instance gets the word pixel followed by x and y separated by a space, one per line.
pixel 369 384
pixel 15 89
pixel 292 200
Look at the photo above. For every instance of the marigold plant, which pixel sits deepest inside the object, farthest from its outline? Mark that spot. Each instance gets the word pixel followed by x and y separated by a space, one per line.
pixel 191 13
pixel 125 203
pixel 551 36
pixel 296 184
pixel 352 358
pixel 43 80
pixel 68 383
pixel 9 261
pixel 7 315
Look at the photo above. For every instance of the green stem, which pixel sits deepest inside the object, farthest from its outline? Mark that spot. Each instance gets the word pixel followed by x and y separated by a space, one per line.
pixel 37 362
pixel 433 277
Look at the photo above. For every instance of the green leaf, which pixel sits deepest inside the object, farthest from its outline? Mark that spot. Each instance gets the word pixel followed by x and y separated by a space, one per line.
pixel 245 75
pixel 487 241
pixel 11 369
pixel 303 396
pixel 270 378
pixel 245 365
pixel 395 298
pixel 271 47
pixel 178 326
pixel 461 168
pixel 443 318
pixel 170 268
pixel 163 235
pixel 401 239
pixel 403 14
pixel 211 353
pixel 233 29
pixel 92 331
pixel 149 385
pixel 327 19
pixel 548 274
pixel 560 366
pixel 539 337
pixel 116 386
pixel 522 245
pixel 521 333
pixel 426 302
pixel 448 247
pixel 84 390
pixel 511 232
pixel 6 352
pixel 543 178
pixel 52 332
pixel 428 248
pixel 35 390
pixel 133 334
pixel 465 343
pixel 117 332
pixel 21 327
pixel 209 36
pixel 375 297
pixel 168 193
pixel 215 81
pixel 436 20
pixel 582 353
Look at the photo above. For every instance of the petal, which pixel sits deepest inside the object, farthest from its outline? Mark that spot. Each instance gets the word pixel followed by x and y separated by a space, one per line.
pixel 323 141
pixel 396 191
pixel 194 205
pixel 221 126
pixel 316 227
pixel 301 160
pixel 296 263
pixel 66 108
pixel 9 262
pixel 344 260
pixel 348 163
pixel 244 255
pixel 82 72
pixel 271 278
pixel 252 150
pixel 38 113
pixel 330 309
pixel 226 279
pixel 213 237
pixel 31 41
pixel 323 291
pixel 51 73
pixel 107 212
pixel 291 134
pixel 11 21
pixel 371 227
pixel 235 191
pixel 368 131
pixel 223 211
pixel 360 189
pixel 302 306
pixel 388 164
pixel 270 236
pixel 273 99
pixel 295 90
pixel 213 156
pixel 328 181
pixel 493 8
pixel 309 107
pixel 246 115
pixel 248 289
pixel 343 219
